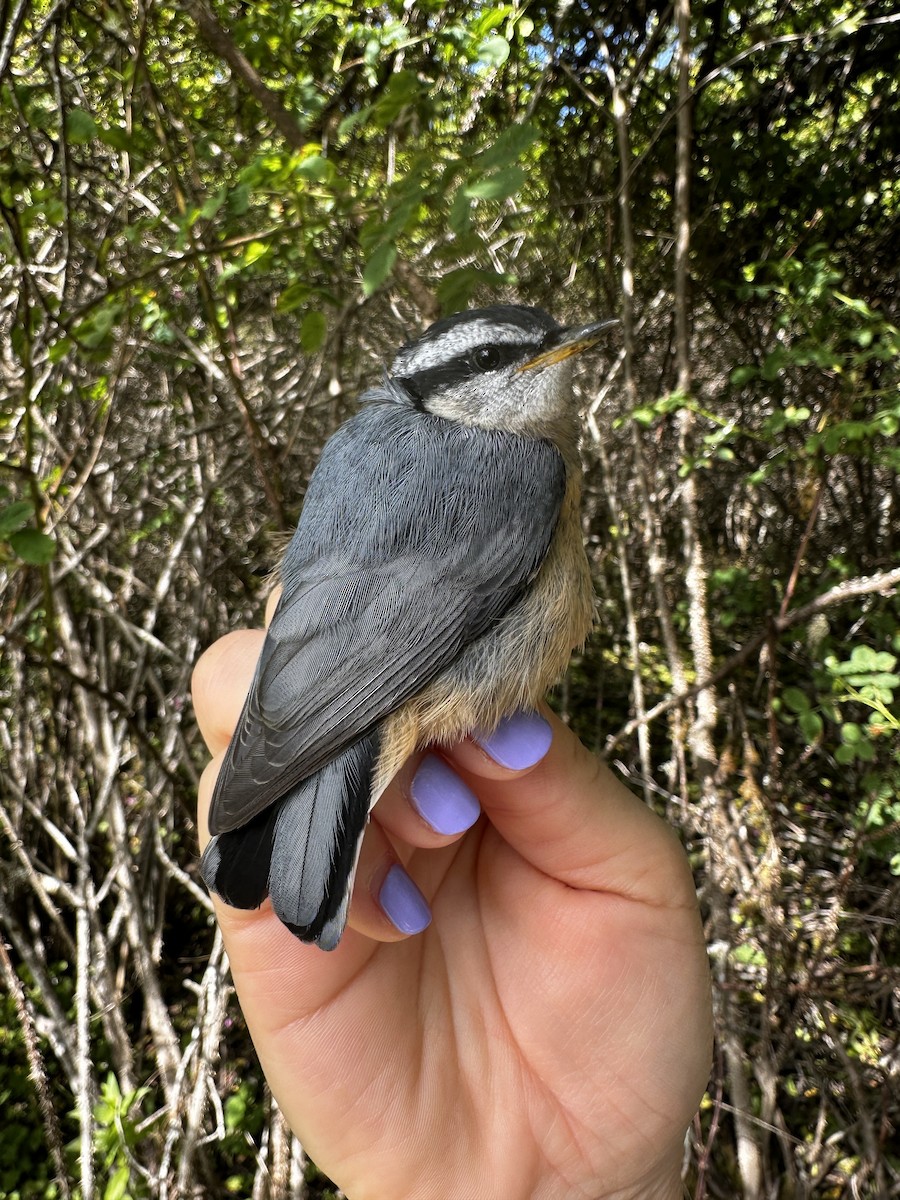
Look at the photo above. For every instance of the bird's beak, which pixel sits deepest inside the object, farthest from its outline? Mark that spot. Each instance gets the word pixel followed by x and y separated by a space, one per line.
pixel 563 343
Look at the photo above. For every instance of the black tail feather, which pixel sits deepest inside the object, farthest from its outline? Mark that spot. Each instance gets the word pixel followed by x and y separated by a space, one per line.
pixel 302 850
pixel 236 865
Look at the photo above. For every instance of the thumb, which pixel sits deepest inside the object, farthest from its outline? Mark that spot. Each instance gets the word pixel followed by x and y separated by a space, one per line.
pixel 565 812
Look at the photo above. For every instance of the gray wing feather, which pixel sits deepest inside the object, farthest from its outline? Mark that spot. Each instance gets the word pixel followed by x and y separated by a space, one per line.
pixel 416 535
pixel 317 838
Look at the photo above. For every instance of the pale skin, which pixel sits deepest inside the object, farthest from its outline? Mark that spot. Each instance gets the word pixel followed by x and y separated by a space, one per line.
pixel 547 1037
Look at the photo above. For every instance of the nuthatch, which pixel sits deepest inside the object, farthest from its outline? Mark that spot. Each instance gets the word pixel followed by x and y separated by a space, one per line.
pixel 437 582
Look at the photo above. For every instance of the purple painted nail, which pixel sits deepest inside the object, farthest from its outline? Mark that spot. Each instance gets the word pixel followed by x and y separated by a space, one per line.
pixel 518 741
pixel 402 902
pixel 441 798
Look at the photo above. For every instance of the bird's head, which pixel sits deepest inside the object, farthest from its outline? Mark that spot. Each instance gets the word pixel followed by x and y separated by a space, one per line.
pixel 505 367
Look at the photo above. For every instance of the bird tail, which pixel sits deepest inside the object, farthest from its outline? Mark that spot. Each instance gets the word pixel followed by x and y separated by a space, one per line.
pixel 302 850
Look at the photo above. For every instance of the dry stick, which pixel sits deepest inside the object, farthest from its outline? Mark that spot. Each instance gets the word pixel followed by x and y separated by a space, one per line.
pixel 68 562
pixel 772 683
pixel 55 1026
pixel 174 1105
pixel 13 23
pixel 637 683
pixel 631 625
pixel 36 1070
pixel 226 342
pixel 839 28
pixel 212 1010
pixel 85 1092
pixel 107 739
pixel 165 1039
pixel 620 119
pixel 23 855
pixel 298 1186
pixel 93 978
pixel 873 1159
pixel 279 1150
pixel 882 583
pixel 651 530
pixel 262 1189
pixel 700 730
pixel 222 44
pixel 108 1002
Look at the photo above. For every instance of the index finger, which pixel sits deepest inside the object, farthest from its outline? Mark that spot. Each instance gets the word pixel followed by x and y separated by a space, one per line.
pixel 570 817
pixel 220 682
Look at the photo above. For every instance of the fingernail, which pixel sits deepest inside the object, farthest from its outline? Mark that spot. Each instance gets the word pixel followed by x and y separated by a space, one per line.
pixel 441 798
pixel 402 902
pixel 518 741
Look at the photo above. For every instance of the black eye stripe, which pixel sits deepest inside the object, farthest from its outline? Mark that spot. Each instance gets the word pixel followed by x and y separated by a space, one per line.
pixel 457 370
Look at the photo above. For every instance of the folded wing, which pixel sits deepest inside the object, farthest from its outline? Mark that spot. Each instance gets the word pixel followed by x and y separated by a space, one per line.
pixel 416 535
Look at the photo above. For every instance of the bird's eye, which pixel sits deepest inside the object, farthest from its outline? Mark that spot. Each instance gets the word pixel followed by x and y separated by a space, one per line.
pixel 486 358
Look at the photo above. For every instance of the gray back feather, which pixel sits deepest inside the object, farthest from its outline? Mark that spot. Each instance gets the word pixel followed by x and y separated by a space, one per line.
pixel 417 534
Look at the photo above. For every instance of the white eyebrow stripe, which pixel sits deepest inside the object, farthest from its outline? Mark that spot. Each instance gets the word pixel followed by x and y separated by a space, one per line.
pixel 456 342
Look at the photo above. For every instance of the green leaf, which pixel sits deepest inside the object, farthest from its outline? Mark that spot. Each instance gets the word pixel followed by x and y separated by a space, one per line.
pixel 60 350
pixel 118 1184
pixel 509 147
pixel 214 203
pixel 313 329
pixel 293 296
pixel 402 90
pixel 235 1109
pixel 456 288
pixel 104 1113
pixel 315 167
pixel 795 699
pixel 80 127
pixel 811 726
pixel 499 186
pixel 378 268
pixel 14 517
pixel 254 252
pixel 749 954
pixel 95 329
pixel 239 200
pixel 857 306
pixel 644 415
pixel 349 123
pixel 460 219
pixel 490 19
pixel 119 138
pixel 381 227
pixel 493 51
pixel 33 547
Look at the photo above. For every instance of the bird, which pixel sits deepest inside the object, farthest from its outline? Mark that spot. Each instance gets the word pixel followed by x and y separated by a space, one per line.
pixel 436 583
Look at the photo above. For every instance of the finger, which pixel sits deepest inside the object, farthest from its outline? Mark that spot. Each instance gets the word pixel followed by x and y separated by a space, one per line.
pixel 220 682
pixel 565 812
pixel 273 598
pixel 279 978
pixel 428 804
pixel 386 906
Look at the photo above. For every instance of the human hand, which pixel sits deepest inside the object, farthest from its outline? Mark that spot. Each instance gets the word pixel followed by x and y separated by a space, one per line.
pixel 546 1036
